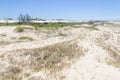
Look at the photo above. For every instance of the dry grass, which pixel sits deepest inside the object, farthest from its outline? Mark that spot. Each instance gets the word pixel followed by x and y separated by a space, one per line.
pixel 10 73
pixel 114 53
pixel 52 58
pixel 112 50
pixel 3 35
pixel 26 38
pixel 4 43
pixel 19 29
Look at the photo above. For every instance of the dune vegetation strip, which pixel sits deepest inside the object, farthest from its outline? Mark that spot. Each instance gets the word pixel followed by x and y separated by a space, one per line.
pixel 26 38
pixel 53 58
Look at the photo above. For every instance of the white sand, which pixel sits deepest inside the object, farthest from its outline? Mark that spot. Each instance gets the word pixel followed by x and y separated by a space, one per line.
pixel 92 66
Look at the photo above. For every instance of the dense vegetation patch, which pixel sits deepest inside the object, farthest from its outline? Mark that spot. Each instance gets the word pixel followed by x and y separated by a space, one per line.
pixel 45 25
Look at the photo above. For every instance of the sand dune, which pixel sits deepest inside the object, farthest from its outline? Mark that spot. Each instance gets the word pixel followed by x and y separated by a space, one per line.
pixel 69 53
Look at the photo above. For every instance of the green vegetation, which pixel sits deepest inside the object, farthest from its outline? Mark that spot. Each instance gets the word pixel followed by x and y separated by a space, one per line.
pixel 62 34
pixel 3 35
pixel 27 74
pixel 20 29
pixel 26 38
pixel 9 24
pixel 45 25
pixel 26 19
pixel 53 25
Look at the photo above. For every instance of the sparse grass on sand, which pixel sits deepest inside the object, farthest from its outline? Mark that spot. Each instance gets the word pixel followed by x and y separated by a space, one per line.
pixel 19 29
pixel 3 35
pixel 26 38
pixel 53 58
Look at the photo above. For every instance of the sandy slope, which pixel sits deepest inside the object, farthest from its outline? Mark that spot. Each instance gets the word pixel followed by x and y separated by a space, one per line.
pixel 93 66
pixel 100 60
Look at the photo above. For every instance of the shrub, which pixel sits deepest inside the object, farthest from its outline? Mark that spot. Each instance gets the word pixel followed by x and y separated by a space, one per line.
pixel 20 29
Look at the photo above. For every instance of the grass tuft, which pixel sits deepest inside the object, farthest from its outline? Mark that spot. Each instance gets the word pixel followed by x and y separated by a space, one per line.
pixel 3 35
pixel 26 38
pixel 19 29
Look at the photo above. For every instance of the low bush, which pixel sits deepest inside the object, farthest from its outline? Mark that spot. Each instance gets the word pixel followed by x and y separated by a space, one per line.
pixel 19 29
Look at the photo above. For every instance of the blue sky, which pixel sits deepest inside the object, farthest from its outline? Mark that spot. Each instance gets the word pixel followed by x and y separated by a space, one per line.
pixel 62 9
